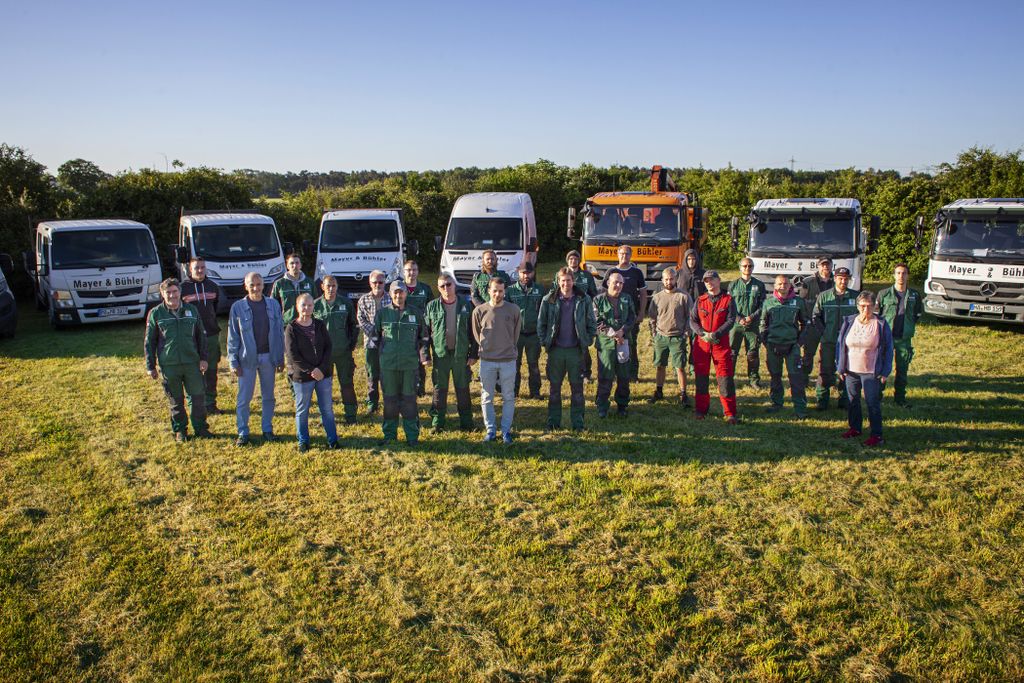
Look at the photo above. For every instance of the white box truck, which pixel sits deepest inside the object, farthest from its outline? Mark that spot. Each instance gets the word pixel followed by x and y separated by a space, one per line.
pixel 233 243
pixel 96 270
pixel 788 236
pixel 976 260
pixel 355 242
pixel 502 221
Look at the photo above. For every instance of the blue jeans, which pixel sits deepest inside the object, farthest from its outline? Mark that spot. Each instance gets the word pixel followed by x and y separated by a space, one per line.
pixel 872 396
pixel 491 374
pixel 303 397
pixel 247 386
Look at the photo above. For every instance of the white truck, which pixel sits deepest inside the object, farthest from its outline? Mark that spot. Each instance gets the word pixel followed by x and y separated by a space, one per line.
pixel 976 260
pixel 8 306
pixel 502 221
pixel 788 236
pixel 355 242
pixel 233 243
pixel 91 271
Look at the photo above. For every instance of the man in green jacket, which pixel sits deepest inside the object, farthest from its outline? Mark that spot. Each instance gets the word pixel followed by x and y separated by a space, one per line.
pixel 287 289
pixel 339 315
pixel 901 307
pixel 566 326
pixel 176 340
pixel 584 279
pixel 615 317
pixel 781 327
pixel 402 338
pixel 527 295
pixel 748 294
pixel 454 352
pixel 478 288
pixel 811 287
pixel 830 308
pixel 419 294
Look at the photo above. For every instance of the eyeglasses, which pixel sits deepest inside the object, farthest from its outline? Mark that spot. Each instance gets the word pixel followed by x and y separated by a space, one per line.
pixel 376 282
pixel 746 267
pixel 444 285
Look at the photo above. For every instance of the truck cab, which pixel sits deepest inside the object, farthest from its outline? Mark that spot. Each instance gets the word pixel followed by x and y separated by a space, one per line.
pixel 355 242
pixel 233 243
pixel 8 306
pixel 660 225
pixel 789 236
pixel 92 271
pixel 976 260
pixel 501 221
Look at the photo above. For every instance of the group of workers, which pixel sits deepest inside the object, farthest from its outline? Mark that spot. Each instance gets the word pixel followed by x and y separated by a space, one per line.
pixel 405 331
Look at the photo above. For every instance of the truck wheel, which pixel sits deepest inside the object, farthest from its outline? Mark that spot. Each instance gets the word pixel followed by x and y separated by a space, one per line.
pixel 52 315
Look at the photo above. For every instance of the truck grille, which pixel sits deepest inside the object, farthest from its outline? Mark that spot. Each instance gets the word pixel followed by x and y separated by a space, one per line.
pixel 107 293
pixel 465 277
pixel 994 292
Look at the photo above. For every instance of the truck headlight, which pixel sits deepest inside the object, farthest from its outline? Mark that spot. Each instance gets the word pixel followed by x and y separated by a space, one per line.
pixel 153 292
pixel 591 268
pixel 62 298
pixel 276 270
pixel 212 273
pixel 936 287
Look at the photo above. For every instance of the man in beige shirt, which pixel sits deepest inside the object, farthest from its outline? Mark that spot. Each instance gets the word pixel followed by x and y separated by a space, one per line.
pixel 669 314
pixel 496 326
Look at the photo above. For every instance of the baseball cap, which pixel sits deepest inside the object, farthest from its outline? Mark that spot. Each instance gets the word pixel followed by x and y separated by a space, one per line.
pixel 398 285
pixel 843 270
pixel 711 275
pixel 573 253
pixel 824 259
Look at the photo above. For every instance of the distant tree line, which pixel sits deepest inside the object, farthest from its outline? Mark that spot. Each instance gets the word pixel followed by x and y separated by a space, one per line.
pixel 80 189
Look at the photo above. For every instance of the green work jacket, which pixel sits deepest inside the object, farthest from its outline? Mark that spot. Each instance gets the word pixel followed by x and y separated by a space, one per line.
pixel 549 318
pixel 528 300
pixel 829 311
pixel 610 316
pixel 401 338
pixel 286 292
pixel 340 318
pixel 465 343
pixel 174 338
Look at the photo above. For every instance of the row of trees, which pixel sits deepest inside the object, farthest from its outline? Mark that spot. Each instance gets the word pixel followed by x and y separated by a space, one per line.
pixel 81 190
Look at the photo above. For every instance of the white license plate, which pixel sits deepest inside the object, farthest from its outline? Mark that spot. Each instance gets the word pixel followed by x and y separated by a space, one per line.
pixel 986 308
pixel 104 312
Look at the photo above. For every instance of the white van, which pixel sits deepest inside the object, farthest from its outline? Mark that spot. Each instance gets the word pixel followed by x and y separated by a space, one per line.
pixel 233 243
pixel 355 242
pixel 502 221
pixel 90 271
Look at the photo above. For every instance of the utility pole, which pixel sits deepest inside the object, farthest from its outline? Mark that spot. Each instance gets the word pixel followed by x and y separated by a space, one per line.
pixel 792 161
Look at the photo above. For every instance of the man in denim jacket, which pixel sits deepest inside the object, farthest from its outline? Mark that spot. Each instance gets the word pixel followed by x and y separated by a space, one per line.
pixel 255 349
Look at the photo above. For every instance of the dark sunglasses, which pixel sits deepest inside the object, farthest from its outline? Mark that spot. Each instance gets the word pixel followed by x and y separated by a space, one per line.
pixel 445 285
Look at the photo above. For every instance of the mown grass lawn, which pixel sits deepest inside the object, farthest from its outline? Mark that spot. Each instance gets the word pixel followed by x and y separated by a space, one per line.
pixel 652 548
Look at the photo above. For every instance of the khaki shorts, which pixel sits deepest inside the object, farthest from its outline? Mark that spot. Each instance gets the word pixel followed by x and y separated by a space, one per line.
pixel 666 348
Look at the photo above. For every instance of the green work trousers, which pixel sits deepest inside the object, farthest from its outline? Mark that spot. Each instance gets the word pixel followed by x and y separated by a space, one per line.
pixel 827 376
pixel 177 381
pixel 738 336
pixel 810 349
pixel 529 344
pixel 344 370
pixel 210 376
pixel 797 381
pixel 609 370
pixel 372 357
pixel 565 364
pixel 445 368
pixel 399 389
pixel 904 354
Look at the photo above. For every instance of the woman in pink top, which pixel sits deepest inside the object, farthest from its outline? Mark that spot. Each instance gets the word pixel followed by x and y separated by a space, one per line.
pixel 864 361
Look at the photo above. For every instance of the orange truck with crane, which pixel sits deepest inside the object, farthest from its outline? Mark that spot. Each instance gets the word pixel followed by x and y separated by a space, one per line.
pixel 660 225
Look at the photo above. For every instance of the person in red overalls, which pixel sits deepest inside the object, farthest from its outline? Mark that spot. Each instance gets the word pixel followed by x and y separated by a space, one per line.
pixel 711 319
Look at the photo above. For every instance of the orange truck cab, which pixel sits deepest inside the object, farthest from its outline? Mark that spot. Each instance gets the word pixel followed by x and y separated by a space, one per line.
pixel 660 225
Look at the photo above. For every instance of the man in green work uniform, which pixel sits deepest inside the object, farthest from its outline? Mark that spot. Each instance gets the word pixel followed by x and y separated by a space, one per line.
pixel 748 294
pixel 176 340
pixel 615 318
pixel 781 326
pixel 584 279
pixel 527 295
pixel 566 327
pixel 811 287
pixel 830 308
pixel 419 294
pixel 478 288
pixel 287 289
pixel 454 352
pixel 339 314
pixel 901 307
pixel 402 339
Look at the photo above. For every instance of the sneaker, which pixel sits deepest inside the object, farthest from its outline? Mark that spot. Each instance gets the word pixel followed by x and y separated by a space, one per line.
pixel 268 437
pixel 773 408
pixel 732 419
pixel 303 447
pixel 180 437
pixel 242 441
pixel 622 411
pixel 436 429
pixel 372 408
pixel 489 436
pixel 507 437
pixel 873 441
pixel 658 395
pixel 851 433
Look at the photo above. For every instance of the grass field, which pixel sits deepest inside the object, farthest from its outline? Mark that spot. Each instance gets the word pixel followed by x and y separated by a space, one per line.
pixel 653 548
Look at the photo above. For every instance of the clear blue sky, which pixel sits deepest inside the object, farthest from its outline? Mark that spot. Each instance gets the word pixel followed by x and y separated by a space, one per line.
pixel 395 85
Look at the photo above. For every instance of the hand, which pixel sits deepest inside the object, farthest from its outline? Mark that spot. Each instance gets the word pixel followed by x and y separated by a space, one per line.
pixel 426 363
pixel 152 373
pixel 471 362
pixel 237 371
pixel 317 374
pixel 842 376
pixel 882 378
pixel 280 368
pixel 203 366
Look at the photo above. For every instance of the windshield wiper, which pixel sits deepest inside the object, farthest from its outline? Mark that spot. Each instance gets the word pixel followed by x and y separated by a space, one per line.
pixel 1012 252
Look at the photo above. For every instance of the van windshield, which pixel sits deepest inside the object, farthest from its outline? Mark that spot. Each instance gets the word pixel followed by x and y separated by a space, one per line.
pixel 503 234
pixel 359 234
pixel 626 224
pixel 101 249
pixel 235 242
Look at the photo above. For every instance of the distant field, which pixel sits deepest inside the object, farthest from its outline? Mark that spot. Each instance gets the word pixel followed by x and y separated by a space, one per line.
pixel 652 548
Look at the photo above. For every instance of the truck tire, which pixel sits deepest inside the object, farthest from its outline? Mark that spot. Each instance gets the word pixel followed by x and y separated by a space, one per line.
pixel 52 315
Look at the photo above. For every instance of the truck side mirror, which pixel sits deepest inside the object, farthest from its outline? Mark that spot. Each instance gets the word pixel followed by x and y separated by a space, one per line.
pixel 437 243
pixel 307 248
pixel 532 246
pixel 734 231
pixel 876 228
pixel 179 254
pixel 872 246
pixel 412 248
pixel 918 233
pixel 570 231
pixel 7 264
pixel 288 249
pixel 28 260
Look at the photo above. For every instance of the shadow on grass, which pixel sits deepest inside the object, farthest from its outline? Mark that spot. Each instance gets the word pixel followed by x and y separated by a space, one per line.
pixel 35 339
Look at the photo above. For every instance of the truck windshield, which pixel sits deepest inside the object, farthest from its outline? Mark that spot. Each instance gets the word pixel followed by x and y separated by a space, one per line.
pixel 235 241
pixel 101 249
pixel 359 234
pixel 625 224
pixel 485 233
pixel 971 236
pixel 832 235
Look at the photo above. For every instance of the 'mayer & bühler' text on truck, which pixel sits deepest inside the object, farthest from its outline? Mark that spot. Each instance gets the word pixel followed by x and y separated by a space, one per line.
pixel 660 225
pixel 976 262
pixel 789 236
